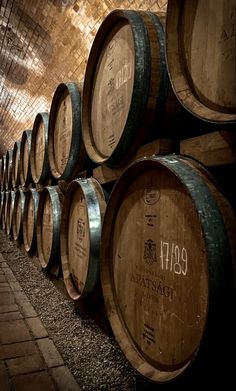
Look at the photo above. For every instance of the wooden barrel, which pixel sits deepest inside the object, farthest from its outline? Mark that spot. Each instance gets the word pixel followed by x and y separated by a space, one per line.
pixel 48 226
pixel 17 218
pixel 8 176
pixel 81 223
pixel 16 165
pixel 1 206
pixel 125 86
pixel 67 156
pixel 167 267
pixel 0 174
pixel 25 147
pixel 3 172
pixel 30 220
pixel 4 209
pixel 39 150
pixel 200 48
pixel 9 212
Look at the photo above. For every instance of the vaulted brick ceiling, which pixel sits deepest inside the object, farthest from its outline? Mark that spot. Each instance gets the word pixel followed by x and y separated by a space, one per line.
pixel 43 43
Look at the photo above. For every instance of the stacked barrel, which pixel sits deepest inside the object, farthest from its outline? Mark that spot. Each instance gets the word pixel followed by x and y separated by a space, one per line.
pixel 163 247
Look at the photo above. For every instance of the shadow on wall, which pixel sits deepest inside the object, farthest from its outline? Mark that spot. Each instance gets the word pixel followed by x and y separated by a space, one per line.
pixel 23 41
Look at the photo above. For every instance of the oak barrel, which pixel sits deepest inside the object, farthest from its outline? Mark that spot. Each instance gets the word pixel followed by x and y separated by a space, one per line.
pixel 4 209
pixel 125 85
pixel 16 165
pixel 39 162
pixel 1 205
pixel 25 169
pixel 30 220
pixel 67 155
pixel 8 176
pixel 17 218
pixel 9 212
pixel 200 50
pixel 48 226
pixel 3 172
pixel 81 223
pixel 167 267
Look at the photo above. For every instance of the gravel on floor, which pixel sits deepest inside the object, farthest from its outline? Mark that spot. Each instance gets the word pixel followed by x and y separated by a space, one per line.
pixel 82 335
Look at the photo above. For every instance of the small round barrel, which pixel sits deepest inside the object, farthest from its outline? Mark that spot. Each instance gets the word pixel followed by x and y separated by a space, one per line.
pixel 30 220
pixel 81 223
pixel 48 226
pixel 4 209
pixel 125 85
pixel 16 165
pixel 67 156
pixel 200 50
pixel 8 176
pixel 17 218
pixel 39 149
pixel 9 213
pixel 25 147
pixel 1 205
pixel 3 172
pixel 167 267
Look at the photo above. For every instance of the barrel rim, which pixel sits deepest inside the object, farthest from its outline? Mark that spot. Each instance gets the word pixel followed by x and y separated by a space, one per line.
pixel 26 137
pixel 77 155
pixel 45 173
pixel 10 208
pixel 8 177
pixel 94 220
pixel 54 257
pixel 175 67
pixel 140 88
pixel 131 351
pixel 30 247
pixel 18 235
pixel 16 151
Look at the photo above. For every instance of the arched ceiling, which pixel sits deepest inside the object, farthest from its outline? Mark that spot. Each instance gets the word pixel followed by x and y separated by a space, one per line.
pixel 43 43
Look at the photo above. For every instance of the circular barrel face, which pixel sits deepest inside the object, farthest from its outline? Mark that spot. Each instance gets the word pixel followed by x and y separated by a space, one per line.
pixel 47 229
pixel 25 159
pixel 159 265
pixel 39 151
pixel 62 132
pixel 200 39
pixel 211 51
pixel 17 218
pixel 113 88
pixel 78 240
pixel 30 222
pixel 16 165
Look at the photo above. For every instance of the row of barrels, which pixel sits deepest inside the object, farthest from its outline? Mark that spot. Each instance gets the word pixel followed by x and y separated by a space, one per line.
pixel 163 248
pixel 133 68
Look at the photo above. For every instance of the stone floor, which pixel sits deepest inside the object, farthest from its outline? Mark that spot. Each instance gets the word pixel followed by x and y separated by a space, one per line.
pixel 29 359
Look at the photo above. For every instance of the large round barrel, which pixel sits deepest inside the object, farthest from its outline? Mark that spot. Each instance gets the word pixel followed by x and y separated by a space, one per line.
pixel 81 223
pixel 67 156
pixel 25 147
pixel 17 218
pixel 200 48
pixel 30 220
pixel 167 267
pixel 125 85
pixel 16 165
pixel 48 226
pixel 3 172
pixel 9 212
pixel 39 149
pixel 8 176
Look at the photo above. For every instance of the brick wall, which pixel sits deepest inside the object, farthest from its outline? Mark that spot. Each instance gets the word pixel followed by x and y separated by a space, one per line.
pixel 42 43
